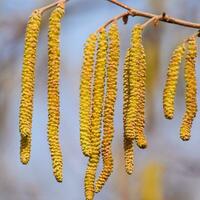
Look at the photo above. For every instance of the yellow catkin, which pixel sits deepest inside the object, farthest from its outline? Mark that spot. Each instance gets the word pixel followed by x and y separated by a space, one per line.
pixel 108 115
pixel 151 184
pixel 171 82
pixel 85 93
pixel 140 122
pixel 190 90
pixel 96 117
pixel 28 82
pixel 137 70
pixel 53 90
pixel 134 83
pixel 128 144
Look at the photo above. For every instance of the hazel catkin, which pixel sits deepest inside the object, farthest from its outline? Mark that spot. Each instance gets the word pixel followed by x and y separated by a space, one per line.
pixel 128 144
pixel 190 90
pixel 53 90
pixel 134 83
pixel 171 82
pixel 86 94
pixel 27 84
pixel 96 117
pixel 137 70
pixel 140 122
pixel 109 105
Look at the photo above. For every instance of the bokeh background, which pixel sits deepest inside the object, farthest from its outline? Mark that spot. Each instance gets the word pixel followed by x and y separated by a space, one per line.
pixel 168 170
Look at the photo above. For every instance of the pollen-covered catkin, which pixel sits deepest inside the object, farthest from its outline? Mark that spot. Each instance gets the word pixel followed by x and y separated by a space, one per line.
pixel 27 84
pixel 53 90
pixel 128 144
pixel 190 90
pixel 140 122
pixel 96 117
pixel 109 105
pixel 85 94
pixel 171 82
pixel 133 110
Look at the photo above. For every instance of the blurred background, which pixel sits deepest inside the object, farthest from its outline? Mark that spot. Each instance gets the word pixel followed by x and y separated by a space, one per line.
pixel 168 170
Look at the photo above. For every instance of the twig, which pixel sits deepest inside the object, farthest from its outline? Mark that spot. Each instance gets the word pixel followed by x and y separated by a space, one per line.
pixel 152 20
pixel 165 18
pixel 113 19
pixel 43 9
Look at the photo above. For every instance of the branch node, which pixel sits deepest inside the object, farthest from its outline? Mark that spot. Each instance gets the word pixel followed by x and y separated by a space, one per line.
pixel 164 15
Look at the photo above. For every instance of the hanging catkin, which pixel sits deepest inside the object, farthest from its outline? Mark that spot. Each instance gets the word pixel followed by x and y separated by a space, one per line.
pixel 27 84
pixel 108 115
pixel 85 94
pixel 128 144
pixel 132 112
pixel 53 90
pixel 171 82
pixel 137 70
pixel 140 122
pixel 190 90
pixel 96 117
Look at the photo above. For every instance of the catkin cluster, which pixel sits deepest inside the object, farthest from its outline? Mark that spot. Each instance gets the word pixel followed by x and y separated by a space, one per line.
pixel 190 48
pixel 28 79
pixel 98 91
pixel 134 83
pixel 97 106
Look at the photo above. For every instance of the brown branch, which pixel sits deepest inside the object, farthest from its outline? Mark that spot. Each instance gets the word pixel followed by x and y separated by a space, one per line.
pixel 116 18
pixel 164 18
pixel 43 9
pixel 152 20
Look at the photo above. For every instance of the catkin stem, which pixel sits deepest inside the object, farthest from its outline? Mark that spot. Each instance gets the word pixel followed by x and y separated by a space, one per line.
pixel 108 115
pixel 154 20
pixel 28 84
pixel 45 8
pixel 53 90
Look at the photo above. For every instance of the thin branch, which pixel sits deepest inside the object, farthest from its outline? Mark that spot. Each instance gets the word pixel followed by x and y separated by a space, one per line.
pixel 43 9
pixel 116 18
pixel 152 20
pixel 165 18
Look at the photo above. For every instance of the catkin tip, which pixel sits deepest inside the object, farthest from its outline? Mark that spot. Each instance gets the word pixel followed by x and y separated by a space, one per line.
pixel 25 149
